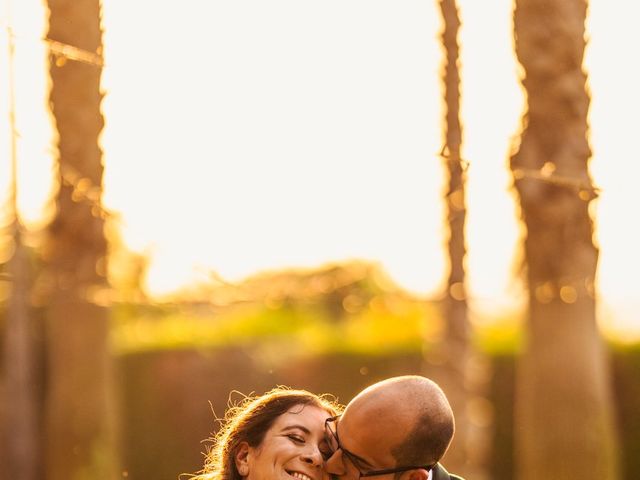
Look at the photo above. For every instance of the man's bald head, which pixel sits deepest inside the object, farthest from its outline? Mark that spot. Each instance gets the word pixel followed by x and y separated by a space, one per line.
pixel 413 413
pixel 400 426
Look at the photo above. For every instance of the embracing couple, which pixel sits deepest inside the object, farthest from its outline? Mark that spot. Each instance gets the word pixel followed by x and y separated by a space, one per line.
pixel 396 429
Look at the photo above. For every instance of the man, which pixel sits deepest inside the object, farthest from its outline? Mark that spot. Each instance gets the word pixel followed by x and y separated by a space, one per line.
pixel 396 429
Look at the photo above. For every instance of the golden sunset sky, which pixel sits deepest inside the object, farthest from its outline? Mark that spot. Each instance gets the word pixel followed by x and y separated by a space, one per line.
pixel 244 136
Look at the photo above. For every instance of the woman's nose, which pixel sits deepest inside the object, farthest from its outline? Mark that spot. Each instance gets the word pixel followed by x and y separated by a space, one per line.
pixel 314 457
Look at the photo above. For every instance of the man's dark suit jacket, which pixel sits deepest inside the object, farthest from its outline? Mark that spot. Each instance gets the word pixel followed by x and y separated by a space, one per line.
pixel 439 473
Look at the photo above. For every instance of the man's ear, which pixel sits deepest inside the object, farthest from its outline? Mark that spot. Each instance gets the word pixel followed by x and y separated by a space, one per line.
pixel 418 474
pixel 241 458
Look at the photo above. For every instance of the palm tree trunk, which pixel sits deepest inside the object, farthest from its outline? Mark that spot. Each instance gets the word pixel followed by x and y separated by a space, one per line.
pixel 564 423
pixel 79 422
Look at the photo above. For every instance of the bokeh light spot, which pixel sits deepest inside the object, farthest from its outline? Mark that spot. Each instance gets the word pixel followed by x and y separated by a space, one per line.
pixel 547 169
pixel 544 293
pixel 480 411
pixel 568 294
pixel 457 291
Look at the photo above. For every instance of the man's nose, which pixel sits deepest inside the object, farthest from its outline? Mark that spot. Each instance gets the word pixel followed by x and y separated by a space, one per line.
pixel 334 464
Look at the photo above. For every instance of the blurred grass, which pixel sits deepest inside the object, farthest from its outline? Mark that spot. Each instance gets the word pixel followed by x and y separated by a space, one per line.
pixel 306 329
pixel 410 326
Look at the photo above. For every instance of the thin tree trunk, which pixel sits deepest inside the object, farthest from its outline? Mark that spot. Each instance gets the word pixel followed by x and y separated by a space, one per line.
pixel 79 422
pixel 455 354
pixel 564 423
pixel 457 321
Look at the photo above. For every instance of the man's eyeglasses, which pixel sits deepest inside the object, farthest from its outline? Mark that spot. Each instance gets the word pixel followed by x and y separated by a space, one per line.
pixel 331 433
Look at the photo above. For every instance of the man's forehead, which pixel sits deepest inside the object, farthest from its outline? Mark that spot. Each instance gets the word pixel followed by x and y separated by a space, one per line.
pixel 370 432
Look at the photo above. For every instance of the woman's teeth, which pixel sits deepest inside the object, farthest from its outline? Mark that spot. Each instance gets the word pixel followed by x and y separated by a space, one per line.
pixel 300 476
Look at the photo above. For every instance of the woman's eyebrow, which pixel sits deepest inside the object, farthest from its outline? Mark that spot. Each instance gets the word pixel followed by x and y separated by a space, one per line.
pixel 298 427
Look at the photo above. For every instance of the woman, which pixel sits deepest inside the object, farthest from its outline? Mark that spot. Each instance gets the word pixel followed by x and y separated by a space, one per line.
pixel 276 436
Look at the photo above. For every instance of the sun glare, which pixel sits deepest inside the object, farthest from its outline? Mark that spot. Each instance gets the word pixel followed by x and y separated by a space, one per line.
pixel 25 22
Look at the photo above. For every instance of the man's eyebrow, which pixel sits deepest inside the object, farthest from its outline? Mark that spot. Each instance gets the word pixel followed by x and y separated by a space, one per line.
pixel 296 426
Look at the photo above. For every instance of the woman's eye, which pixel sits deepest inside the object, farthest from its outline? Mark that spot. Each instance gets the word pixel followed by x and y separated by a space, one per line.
pixel 296 438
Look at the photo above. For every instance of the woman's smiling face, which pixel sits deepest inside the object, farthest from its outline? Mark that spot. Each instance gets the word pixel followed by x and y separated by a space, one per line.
pixel 292 449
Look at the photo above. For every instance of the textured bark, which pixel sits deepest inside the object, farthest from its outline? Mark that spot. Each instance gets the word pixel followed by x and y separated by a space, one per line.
pixel 457 323
pixel 79 423
pixel 455 354
pixel 564 425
